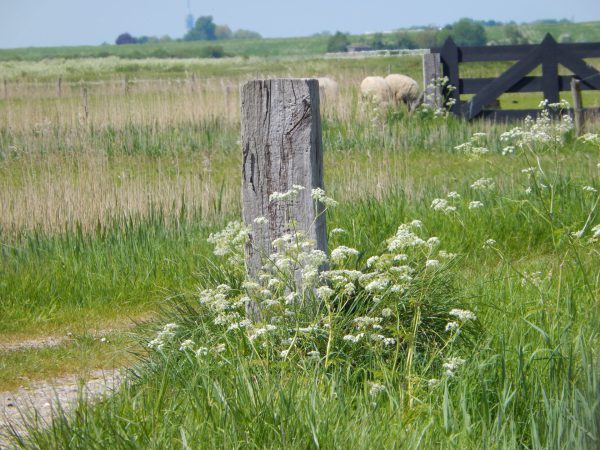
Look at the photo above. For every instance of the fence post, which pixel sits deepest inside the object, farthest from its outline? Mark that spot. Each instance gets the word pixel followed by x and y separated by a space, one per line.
pixel 577 106
pixel 5 89
pixel 84 99
pixel 550 83
pixel 450 57
pixel 282 146
pixel 59 87
pixel 432 95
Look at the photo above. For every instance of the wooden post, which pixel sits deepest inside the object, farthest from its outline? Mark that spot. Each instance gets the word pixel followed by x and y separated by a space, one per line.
pixel 432 95
pixel 5 89
pixel 282 146
pixel 450 58
pixel 126 85
pixel 84 97
pixel 577 106
pixel 550 82
pixel 59 87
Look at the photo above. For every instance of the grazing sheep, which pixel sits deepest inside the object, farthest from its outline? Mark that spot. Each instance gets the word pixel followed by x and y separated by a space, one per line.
pixel 328 89
pixel 404 90
pixel 376 90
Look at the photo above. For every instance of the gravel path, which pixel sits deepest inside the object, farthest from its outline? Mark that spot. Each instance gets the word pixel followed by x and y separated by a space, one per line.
pixel 43 397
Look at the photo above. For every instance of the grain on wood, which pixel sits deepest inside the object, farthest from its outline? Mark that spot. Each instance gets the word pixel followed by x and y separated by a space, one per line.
pixel 282 146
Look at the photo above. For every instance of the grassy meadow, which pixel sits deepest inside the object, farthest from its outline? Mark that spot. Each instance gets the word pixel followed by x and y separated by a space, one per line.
pixel 110 190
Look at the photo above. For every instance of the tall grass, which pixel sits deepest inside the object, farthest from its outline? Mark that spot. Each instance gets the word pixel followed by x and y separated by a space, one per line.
pixel 109 217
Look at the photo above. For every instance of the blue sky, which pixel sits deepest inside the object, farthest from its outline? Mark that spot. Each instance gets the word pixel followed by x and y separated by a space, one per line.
pixel 38 23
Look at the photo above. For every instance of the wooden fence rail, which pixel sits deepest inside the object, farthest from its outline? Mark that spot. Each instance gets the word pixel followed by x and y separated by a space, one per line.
pixel 549 54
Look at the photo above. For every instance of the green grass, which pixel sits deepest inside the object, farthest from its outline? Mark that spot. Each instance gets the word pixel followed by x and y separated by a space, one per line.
pixel 530 380
pixel 531 373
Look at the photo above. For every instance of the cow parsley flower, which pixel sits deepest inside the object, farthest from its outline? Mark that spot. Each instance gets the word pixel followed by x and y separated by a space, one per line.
pixel 376 389
pixel 452 364
pixel 475 204
pixel 352 338
pixel 463 314
pixel 432 263
pixel 338 254
pixel 318 195
pixel 202 351
pixel 452 326
pixel 186 345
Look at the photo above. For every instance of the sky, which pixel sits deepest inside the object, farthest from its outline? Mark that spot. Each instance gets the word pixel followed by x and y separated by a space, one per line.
pixel 43 23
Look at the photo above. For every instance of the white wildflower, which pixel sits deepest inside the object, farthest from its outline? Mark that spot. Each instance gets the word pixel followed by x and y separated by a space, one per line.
pixel 483 184
pixel 475 204
pixel 318 195
pixel 338 254
pixel 463 314
pixel 452 364
pixel 386 312
pixel 388 342
pixel 186 345
pixel 589 189
pixel 337 231
pixel 376 389
pixel 377 285
pixel 352 338
pixel 324 292
pixel 488 243
pixel 433 242
pixel 202 351
pixel 451 326
pixel 372 260
pixel 432 263
pixel 453 195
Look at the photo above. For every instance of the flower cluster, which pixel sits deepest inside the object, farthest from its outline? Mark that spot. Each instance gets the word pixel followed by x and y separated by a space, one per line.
pixel 547 129
pixel 475 145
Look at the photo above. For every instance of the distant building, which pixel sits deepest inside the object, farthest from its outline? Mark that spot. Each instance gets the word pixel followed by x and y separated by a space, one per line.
pixel 189 22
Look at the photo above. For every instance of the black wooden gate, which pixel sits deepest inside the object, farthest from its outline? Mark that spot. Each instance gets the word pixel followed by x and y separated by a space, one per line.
pixel 549 54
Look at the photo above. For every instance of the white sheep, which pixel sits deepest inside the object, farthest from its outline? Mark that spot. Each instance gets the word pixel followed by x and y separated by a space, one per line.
pixel 328 89
pixel 376 90
pixel 404 90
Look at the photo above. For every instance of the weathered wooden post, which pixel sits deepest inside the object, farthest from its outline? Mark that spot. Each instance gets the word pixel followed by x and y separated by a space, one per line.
pixel 577 106
pixel 59 87
pixel 84 99
pixel 432 74
pixel 5 89
pixel 126 85
pixel 282 146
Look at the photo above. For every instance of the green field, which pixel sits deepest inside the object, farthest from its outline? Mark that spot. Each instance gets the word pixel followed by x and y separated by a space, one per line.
pixel 109 192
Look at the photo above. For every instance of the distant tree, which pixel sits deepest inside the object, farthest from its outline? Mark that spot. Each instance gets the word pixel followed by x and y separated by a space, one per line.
pixel 338 42
pixel 246 34
pixel 204 30
pixel 426 39
pixel 403 40
pixel 223 32
pixel 464 32
pixel 125 38
pixel 377 42
pixel 146 39
pixel 513 35
pixel 165 38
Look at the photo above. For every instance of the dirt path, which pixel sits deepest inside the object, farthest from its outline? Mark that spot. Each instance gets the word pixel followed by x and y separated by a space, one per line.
pixel 44 397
